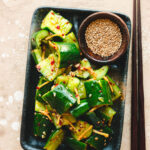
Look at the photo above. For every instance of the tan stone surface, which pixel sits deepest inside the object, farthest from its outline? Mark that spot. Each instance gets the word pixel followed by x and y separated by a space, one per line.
pixel 15 19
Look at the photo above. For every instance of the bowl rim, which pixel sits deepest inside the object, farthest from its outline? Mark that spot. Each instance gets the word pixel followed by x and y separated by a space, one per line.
pixel 122 25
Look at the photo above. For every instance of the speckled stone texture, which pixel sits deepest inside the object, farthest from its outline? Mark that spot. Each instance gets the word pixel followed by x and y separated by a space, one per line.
pixel 15 19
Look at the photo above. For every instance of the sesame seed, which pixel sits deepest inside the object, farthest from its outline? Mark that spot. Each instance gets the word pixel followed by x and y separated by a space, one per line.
pixel 90 95
pixel 54 94
pixel 96 138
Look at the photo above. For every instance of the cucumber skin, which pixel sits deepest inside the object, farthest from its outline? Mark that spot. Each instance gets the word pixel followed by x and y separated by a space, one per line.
pixel 33 42
pixel 54 140
pixel 42 90
pixel 80 109
pixel 93 93
pixel 39 36
pixel 94 119
pixel 74 144
pixel 100 73
pixel 68 54
pixel 71 38
pixel 116 89
pixel 42 124
pixel 99 144
pixel 60 98
pixel 37 55
pixel 106 113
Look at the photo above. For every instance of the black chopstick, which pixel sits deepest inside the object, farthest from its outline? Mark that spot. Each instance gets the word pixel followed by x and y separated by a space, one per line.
pixel 134 100
pixel 140 83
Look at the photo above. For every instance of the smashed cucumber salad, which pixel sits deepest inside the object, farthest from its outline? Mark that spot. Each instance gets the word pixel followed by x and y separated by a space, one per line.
pixel 73 99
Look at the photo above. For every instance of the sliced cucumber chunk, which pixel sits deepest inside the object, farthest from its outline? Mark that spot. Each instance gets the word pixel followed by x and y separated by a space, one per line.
pixel 37 55
pixel 56 23
pixel 71 38
pixel 73 83
pixel 80 72
pixel 54 140
pixel 74 144
pixel 100 73
pixel 42 126
pixel 60 98
pixel 40 35
pixel 82 130
pixel 81 90
pixel 49 67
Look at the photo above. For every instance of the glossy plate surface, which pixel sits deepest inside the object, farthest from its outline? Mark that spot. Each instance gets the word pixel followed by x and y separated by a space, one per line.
pixel 118 70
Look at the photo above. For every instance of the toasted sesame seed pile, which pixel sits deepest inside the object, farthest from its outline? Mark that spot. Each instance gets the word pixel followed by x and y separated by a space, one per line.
pixel 103 37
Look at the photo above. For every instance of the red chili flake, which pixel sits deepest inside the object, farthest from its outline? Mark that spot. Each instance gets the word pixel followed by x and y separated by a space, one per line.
pixel 58 27
pixel 74 40
pixel 110 83
pixel 38 123
pixel 56 84
pixel 62 34
pixel 64 82
pixel 77 95
pixel 52 13
pixel 54 47
pixel 60 122
pixel 67 22
pixel 37 88
pixel 52 62
pixel 52 70
pixel 100 91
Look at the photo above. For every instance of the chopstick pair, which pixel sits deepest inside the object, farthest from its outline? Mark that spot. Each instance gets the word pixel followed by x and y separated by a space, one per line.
pixel 137 105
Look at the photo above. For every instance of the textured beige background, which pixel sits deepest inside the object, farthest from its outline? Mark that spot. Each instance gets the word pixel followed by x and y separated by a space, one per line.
pixel 15 18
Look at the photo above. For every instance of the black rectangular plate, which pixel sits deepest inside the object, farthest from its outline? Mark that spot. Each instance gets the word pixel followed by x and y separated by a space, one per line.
pixel 118 71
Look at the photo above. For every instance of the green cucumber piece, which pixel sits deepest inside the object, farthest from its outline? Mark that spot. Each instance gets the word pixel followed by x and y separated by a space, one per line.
pixel 74 144
pixel 40 36
pixel 67 53
pixel 42 106
pixel 81 90
pixel 49 67
pixel 44 89
pixel 60 98
pixel 62 79
pixel 93 119
pixel 80 109
pixel 62 120
pixel 73 83
pixel 54 140
pixel 37 55
pixel 71 38
pixel 68 117
pixel 100 73
pixel 98 95
pixel 98 142
pixel 42 126
pixel 81 127
pixel 39 106
pixel 56 23
pixel 106 113
pixel 116 90
pixel 33 42
pixel 80 73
